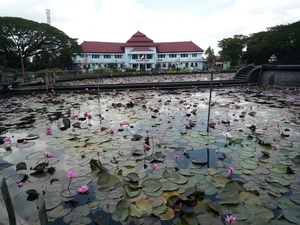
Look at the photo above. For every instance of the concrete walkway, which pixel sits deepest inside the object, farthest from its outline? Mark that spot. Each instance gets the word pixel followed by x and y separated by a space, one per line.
pixel 4 218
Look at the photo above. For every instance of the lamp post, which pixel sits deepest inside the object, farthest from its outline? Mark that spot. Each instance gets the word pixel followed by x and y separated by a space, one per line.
pixel 209 101
pixel 22 63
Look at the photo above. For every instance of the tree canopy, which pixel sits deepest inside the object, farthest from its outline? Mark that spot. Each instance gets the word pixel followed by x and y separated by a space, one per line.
pixel 39 43
pixel 211 58
pixel 283 41
pixel 232 49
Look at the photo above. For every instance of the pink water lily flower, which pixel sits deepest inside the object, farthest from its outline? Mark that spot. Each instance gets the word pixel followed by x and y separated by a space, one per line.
pixel 230 219
pixel 83 189
pixel 155 166
pixel 21 184
pixel 48 129
pixel 276 147
pixel 125 122
pixel 175 157
pixel 6 139
pixel 48 155
pixel 230 170
pixel 71 174
pixel 25 142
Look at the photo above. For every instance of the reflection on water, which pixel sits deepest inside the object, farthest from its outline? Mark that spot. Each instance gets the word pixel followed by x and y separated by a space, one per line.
pixel 174 123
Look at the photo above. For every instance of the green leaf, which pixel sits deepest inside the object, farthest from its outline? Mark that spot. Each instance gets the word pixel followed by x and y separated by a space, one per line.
pixel 107 181
pixel 121 212
pixel 258 214
pixel 131 192
pixel 94 165
pixel 142 208
pixel 295 198
pixel 292 215
pixel 279 168
pixel 21 166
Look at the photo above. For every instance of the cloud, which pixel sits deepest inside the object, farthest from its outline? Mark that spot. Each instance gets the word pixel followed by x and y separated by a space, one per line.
pixel 168 20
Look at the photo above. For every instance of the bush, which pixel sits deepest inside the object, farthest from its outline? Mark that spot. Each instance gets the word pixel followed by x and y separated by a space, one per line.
pixel 42 73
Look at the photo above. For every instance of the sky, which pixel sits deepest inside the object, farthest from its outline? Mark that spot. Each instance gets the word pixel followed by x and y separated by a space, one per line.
pixel 203 22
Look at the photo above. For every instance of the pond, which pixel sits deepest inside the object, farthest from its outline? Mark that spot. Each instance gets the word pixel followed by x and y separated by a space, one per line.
pixel 146 156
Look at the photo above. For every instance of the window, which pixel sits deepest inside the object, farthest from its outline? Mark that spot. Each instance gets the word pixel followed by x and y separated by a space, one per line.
pixel 95 56
pixel 107 56
pixel 164 65
pixel 134 56
pixel 194 55
pixel 149 56
pixel 196 64
pixel 184 55
pixel 161 56
pixel 118 56
pixel 172 55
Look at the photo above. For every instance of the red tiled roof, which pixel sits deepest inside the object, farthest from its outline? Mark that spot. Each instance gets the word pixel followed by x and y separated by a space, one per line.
pixel 109 47
pixel 185 46
pixel 139 41
pixel 141 49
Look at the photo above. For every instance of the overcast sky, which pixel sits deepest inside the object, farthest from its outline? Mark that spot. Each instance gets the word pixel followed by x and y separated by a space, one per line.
pixel 201 21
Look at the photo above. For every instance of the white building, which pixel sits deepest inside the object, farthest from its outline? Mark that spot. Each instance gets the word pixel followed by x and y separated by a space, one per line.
pixel 140 52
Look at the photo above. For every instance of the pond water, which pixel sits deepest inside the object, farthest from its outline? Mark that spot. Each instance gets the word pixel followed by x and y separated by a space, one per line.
pixel 247 165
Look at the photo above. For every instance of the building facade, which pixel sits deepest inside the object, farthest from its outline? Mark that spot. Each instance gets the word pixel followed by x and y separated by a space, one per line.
pixel 140 52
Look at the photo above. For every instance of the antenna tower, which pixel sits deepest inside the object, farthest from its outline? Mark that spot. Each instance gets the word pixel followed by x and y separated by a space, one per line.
pixel 48 16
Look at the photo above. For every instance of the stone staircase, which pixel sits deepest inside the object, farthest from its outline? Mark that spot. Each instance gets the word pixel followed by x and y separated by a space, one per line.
pixel 242 74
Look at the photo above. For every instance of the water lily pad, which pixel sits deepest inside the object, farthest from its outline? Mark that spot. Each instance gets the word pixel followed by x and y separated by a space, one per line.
pixel 53 202
pixel 80 181
pixel 54 187
pixel 141 208
pixel 279 180
pixel 21 166
pixel 156 201
pixel 107 181
pixel 122 211
pixel 151 184
pixel 248 164
pixel 279 168
pixel 178 179
pixel 167 215
pixel 32 194
pixel 258 214
pixel 132 177
pixel 115 194
pixel 28 145
pixel 59 211
pixel 131 192
pixel 70 192
pixel 186 172
pixel 295 198
pixel 219 181
pixel 292 215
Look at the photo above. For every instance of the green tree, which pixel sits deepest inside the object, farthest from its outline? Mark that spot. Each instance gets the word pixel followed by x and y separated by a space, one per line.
pixel 211 58
pixel 232 49
pixel 32 40
pixel 281 40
